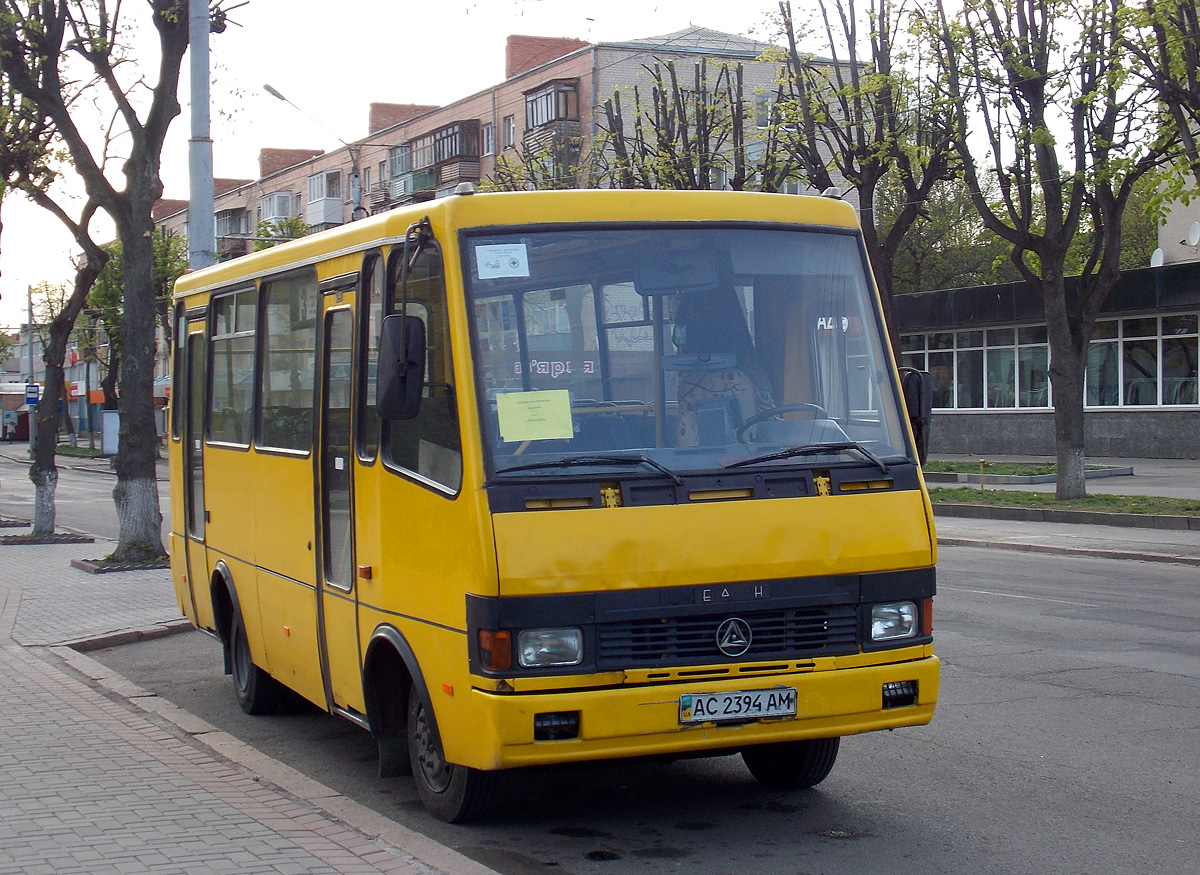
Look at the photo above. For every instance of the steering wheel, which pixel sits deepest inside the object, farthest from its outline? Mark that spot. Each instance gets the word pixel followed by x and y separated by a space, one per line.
pixel 817 410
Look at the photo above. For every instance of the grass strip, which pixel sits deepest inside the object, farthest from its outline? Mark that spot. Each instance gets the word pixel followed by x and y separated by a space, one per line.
pixel 1140 504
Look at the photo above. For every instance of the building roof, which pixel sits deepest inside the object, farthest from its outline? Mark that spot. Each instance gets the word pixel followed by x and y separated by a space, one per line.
pixel 695 38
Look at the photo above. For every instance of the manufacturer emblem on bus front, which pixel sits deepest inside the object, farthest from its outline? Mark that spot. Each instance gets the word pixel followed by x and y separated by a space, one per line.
pixel 734 636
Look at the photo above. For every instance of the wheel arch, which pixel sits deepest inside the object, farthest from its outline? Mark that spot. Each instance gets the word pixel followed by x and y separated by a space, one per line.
pixel 390 658
pixel 226 606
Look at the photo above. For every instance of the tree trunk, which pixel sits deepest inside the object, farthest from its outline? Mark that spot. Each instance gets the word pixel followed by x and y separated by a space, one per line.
pixel 44 471
pixel 44 485
pixel 1067 361
pixel 138 518
pixel 136 494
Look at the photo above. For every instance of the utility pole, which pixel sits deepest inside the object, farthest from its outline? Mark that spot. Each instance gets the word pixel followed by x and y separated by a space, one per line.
pixel 201 234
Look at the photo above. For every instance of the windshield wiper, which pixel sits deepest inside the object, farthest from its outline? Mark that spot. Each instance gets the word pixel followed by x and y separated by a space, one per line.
pixel 819 449
pixel 597 460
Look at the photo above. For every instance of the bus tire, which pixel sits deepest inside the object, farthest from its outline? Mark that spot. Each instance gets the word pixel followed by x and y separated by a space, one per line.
pixel 792 765
pixel 257 692
pixel 450 792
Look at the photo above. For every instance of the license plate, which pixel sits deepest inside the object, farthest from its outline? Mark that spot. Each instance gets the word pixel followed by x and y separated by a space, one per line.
pixel 740 706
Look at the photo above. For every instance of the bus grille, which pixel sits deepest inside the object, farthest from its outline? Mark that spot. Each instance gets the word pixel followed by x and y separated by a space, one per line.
pixel 782 634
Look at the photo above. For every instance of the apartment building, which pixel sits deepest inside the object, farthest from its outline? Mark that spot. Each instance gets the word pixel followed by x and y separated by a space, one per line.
pixel 546 105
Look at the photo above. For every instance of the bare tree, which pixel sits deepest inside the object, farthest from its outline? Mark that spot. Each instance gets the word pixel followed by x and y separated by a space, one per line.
pixel 60 310
pixel 1047 104
pixel 851 122
pixel 40 41
pixel 690 134
pixel 28 166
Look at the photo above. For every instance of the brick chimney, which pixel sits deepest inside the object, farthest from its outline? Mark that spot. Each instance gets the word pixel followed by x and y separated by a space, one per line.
pixel 523 53
pixel 386 115
pixel 273 160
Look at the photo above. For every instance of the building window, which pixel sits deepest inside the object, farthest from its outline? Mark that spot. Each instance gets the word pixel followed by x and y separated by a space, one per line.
pixel 399 160
pixel 558 101
pixel 232 223
pixel 1033 366
pixel 487 139
pixel 510 131
pixel 1143 361
pixel 327 184
pixel 1000 363
pixel 1137 361
pixel 969 362
pixel 276 206
pixel 366 180
pixel 996 369
pixel 1179 341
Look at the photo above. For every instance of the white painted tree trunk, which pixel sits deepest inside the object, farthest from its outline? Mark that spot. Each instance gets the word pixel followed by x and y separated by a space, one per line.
pixel 44 484
pixel 139 520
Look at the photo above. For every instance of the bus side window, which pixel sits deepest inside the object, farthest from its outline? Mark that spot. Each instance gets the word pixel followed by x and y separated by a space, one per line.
pixel 290 308
pixel 429 444
pixel 371 313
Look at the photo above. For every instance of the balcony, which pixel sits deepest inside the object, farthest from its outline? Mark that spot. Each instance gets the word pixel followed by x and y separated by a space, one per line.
pixel 324 212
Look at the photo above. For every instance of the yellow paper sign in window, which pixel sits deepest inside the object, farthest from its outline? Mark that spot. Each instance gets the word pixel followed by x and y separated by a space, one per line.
pixel 535 416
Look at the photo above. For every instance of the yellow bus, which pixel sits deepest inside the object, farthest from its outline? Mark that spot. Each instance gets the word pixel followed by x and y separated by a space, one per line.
pixel 515 479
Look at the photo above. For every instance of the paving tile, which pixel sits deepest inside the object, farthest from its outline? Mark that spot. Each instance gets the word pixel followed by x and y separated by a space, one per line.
pixel 90 785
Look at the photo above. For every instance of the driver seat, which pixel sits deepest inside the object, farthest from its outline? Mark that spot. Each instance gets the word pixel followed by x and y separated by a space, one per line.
pixel 722 388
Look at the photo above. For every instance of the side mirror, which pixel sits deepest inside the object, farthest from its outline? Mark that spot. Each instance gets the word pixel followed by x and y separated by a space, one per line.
pixel 918 401
pixel 401 367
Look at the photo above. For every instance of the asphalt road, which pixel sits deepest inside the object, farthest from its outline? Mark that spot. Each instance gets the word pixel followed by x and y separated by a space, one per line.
pixel 83 500
pixel 1065 741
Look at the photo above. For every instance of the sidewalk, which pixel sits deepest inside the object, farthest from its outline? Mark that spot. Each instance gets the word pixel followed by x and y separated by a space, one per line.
pixel 97 775
pixel 93 784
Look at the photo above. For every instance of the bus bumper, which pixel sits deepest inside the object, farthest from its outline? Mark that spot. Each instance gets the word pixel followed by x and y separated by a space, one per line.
pixel 645 720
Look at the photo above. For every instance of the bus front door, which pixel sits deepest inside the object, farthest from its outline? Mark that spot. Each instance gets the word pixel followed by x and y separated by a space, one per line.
pixel 195 513
pixel 337 594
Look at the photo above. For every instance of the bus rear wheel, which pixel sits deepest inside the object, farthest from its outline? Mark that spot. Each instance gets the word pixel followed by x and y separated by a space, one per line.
pixel 792 765
pixel 450 792
pixel 257 692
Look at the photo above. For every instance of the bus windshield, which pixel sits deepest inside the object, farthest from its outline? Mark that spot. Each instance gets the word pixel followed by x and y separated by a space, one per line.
pixel 675 348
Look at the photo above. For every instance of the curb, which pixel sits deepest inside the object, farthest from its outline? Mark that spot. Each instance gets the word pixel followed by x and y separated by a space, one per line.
pixel 332 804
pixel 128 636
pixel 1080 517
pixel 1069 551
pixel 1022 479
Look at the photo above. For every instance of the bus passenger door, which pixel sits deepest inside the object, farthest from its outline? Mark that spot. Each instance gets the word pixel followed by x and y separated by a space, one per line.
pixel 195 515
pixel 337 594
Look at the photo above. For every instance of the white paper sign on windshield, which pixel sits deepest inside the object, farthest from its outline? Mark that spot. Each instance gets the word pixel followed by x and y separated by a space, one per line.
pixel 495 260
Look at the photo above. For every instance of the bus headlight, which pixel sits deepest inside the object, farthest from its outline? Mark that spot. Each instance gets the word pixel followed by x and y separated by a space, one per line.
pixel 893 620
pixel 544 648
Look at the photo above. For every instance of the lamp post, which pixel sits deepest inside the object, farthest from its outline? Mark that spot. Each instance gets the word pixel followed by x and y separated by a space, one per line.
pixel 357 210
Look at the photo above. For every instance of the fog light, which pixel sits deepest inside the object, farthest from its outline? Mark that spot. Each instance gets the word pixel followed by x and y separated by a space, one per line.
pixel 899 694
pixel 556 726
pixel 545 648
pixel 893 620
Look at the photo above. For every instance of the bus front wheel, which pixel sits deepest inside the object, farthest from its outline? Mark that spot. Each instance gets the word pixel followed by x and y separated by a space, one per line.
pixel 451 793
pixel 257 692
pixel 792 765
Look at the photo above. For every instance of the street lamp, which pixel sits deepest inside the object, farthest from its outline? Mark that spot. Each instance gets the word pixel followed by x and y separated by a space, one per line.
pixel 357 211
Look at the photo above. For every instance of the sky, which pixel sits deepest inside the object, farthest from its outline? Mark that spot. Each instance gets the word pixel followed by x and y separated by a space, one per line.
pixel 332 61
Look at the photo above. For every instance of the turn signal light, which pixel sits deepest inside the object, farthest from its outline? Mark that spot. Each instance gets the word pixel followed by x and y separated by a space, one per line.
pixel 495 650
